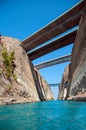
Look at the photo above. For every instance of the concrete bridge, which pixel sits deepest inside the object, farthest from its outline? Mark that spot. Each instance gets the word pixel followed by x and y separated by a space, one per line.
pixel 54 85
pixel 60 25
pixel 54 62
pixel 57 44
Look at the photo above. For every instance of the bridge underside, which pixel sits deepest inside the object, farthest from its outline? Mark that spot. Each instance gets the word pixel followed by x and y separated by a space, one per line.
pixel 65 22
pixel 54 62
pixel 57 44
pixel 54 84
pixel 60 25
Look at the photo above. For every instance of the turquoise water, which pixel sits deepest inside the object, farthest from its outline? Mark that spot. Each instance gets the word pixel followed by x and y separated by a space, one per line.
pixel 53 115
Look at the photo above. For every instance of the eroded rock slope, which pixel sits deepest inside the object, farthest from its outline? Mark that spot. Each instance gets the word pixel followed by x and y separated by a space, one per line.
pixel 76 87
pixel 18 80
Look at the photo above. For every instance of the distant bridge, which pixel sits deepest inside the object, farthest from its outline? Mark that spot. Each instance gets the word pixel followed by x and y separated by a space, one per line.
pixel 54 85
pixel 54 62
pixel 60 25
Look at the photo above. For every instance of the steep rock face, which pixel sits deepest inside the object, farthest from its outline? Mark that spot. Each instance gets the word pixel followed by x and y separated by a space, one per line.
pixel 64 84
pixel 21 85
pixel 43 89
pixel 78 64
pixel 76 87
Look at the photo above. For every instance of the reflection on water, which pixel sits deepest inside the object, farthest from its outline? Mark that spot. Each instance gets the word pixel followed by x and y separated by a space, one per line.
pixel 53 115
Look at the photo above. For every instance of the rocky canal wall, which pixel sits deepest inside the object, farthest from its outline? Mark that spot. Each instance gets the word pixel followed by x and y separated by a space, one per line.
pixel 20 82
pixel 76 76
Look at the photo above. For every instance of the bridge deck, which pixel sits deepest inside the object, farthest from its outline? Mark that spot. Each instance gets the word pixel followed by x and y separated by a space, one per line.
pixel 59 43
pixel 54 62
pixel 58 26
pixel 54 85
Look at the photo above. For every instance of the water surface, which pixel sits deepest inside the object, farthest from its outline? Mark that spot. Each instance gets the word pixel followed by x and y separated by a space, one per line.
pixel 52 115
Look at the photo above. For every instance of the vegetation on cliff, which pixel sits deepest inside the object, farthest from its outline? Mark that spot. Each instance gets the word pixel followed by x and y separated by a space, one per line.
pixel 9 66
pixel 28 85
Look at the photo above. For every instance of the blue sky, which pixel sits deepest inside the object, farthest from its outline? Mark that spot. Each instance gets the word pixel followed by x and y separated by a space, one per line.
pixel 21 18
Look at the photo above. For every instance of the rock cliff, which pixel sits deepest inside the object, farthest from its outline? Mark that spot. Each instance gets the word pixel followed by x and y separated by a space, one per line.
pixel 20 82
pixel 78 63
pixel 64 85
pixel 76 87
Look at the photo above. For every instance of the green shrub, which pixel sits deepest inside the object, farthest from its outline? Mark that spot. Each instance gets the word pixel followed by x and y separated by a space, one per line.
pixel 15 77
pixel 8 88
pixel 1 71
pixel 8 60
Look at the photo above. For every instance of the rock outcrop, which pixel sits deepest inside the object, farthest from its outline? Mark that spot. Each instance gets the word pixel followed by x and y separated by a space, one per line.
pixel 78 63
pixel 76 88
pixel 19 81
pixel 64 85
pixel 43 89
